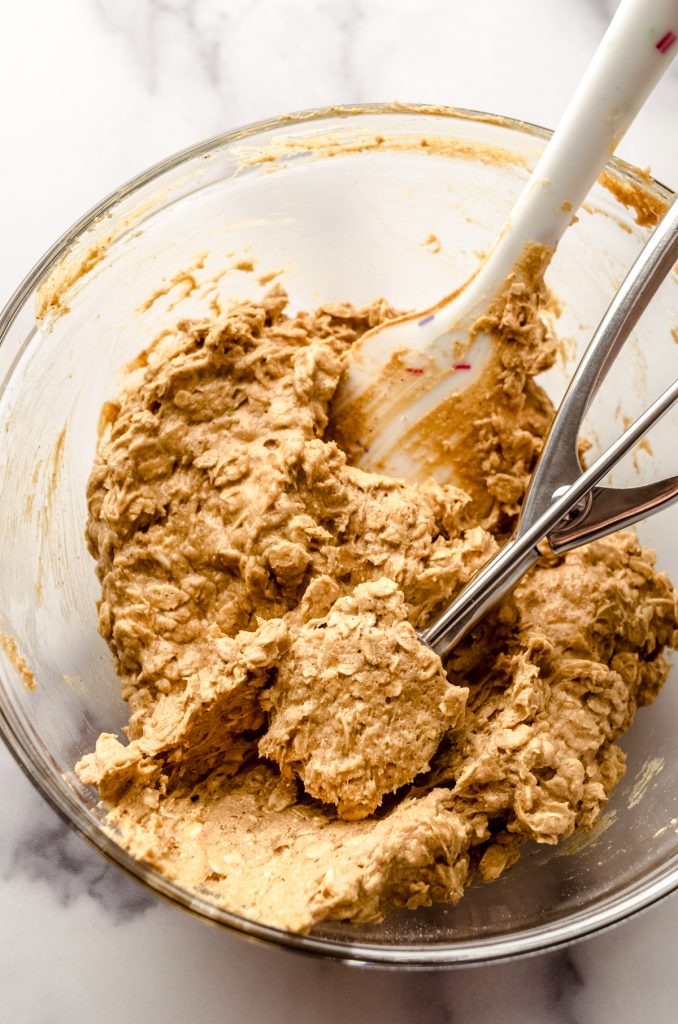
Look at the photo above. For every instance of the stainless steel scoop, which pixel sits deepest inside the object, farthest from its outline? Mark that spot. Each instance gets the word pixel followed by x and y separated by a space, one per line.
pixel 564 504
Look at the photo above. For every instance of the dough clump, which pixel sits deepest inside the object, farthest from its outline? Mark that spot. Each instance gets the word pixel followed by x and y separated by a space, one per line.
pixel 293 752
pixel 359 705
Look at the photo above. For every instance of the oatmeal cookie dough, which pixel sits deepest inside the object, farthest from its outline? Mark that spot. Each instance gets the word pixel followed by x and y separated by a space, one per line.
pixel 584 649
pixel 221 521
pixel 487 436
pixel 536 758
pixel 359 704
pixel 230 534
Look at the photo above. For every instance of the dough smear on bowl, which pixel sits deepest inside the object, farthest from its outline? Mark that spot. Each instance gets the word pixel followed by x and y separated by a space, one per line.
pixel 294 754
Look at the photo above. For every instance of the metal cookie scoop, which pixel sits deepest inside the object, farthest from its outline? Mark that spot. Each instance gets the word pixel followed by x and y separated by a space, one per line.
pixel 564 504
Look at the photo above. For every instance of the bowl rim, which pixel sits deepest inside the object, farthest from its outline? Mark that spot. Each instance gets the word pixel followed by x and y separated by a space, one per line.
pixel 612 910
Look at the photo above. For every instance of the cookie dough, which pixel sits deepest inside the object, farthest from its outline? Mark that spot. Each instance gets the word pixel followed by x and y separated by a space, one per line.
pixel 359 705
pixel 293 753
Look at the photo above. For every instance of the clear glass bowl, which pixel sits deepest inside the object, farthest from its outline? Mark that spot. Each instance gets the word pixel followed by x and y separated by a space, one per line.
pixel 344 203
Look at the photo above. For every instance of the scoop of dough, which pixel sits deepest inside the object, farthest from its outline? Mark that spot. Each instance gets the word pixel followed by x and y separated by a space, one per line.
pixel 359 704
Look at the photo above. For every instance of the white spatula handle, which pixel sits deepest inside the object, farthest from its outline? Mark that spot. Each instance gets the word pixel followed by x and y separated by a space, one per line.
pixel 631 58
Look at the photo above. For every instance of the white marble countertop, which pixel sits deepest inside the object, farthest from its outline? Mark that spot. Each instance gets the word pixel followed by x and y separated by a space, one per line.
pixel 93 91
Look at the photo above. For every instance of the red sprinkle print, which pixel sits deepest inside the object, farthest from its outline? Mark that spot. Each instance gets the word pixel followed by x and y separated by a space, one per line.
pixel 416 371
pixel 462 366
pixel 666 42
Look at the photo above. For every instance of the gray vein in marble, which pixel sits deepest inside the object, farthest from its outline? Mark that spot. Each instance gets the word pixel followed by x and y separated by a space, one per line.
pixel 44 849
pixel 566 981
pixel 431 1000
pixel 205 29
pixel 351 16
pixel 208 38
pixel 50 852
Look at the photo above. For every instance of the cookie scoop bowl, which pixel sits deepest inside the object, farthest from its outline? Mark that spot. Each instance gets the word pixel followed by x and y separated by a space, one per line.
pixel 335 205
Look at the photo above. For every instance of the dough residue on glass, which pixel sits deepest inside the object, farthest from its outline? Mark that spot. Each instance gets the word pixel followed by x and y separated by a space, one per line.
pixel 293 752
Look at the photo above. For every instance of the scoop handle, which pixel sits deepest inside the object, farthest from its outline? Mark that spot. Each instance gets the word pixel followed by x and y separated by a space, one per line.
pixel 638 46
pixel 559 463
pixel 512 561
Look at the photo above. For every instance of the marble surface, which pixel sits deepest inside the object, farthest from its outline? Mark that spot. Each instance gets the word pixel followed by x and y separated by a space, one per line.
pixel 93 91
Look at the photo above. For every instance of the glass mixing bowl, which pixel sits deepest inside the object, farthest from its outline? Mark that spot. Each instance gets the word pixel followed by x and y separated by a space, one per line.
pixel 343 204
